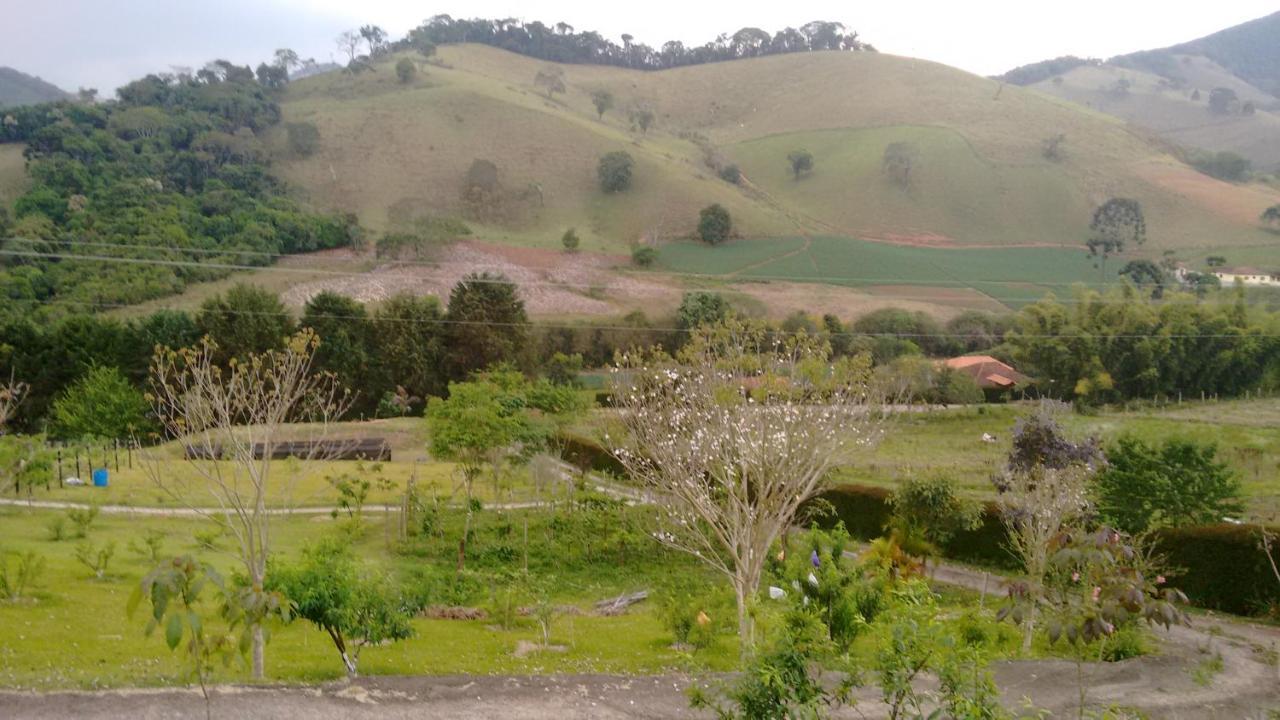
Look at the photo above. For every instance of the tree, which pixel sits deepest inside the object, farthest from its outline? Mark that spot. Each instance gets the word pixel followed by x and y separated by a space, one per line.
pixel 570 240
pixel 303 138
pixel 1051 147
pixel 614 171
pixel 273 77
pixel 1042 492
pixel 11 395
pixel 375 37
pixel 406 69
pixel 1146 274
pixel 551 80
pixel 1271 216
pixel 346 343
pixel 733 471
pixel 1214 261
pixel 1116 223
pixel 410 341
pixel 642 118
pixel 485 324
pixel 801 162
pixel 243 321
pixel 714 224
pixel 700 308
pixel 356 609
pixel 603 102
pixel 233 420
pixel 349 42
pixel 1179 484
pixel 928 512
pixel 102 405
pixel 899 162
pixel 1223 101
pixel 287 59
pixel 644 256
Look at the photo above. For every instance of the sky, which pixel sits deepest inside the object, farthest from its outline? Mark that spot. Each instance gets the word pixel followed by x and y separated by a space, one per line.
pixel 101 44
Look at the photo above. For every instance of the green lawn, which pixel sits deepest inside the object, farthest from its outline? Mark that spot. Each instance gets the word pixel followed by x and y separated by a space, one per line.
pixel 1014 276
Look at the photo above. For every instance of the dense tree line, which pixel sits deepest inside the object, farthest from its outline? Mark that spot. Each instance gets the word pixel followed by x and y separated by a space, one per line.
pixel 172 174
pixel 560 42
pixel 1124 345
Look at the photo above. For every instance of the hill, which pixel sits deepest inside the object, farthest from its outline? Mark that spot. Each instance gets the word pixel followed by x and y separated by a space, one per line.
pixel 1172 91
pixel 18 88
pixel 391 152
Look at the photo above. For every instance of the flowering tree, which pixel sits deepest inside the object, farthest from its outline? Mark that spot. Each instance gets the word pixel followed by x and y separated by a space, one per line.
pixel 1042 492
pixel 734 435
pixel 232 421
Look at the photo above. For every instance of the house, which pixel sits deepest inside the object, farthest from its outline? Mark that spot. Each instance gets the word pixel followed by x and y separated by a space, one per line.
pixel 994 377
pixel 1247 276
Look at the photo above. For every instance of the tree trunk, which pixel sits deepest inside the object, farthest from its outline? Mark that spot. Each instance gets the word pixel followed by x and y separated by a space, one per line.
pixel 1028 630
pixel 746 625
pixel 259 652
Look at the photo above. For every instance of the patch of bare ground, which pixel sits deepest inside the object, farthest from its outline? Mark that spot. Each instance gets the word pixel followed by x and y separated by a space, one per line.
pixel 550 282
pixel 782 298
pixel 1238 203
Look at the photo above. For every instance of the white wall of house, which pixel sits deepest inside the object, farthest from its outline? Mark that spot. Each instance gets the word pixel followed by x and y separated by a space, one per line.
pixel 1229 279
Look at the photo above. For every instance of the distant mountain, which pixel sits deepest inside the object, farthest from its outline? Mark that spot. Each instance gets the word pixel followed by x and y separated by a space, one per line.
pixel 1220 93
pixel 18 88
pixel 1250 51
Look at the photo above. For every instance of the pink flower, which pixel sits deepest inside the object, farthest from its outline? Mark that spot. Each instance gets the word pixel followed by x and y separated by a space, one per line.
pixel 1096 592
pixel 1159 579
pixel 1075 577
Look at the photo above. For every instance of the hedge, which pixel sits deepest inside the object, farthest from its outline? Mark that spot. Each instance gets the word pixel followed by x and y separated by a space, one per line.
pixel 1220 567
pixel 588 455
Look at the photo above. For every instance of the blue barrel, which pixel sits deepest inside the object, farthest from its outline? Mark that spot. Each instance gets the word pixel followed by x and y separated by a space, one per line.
pixel 100 477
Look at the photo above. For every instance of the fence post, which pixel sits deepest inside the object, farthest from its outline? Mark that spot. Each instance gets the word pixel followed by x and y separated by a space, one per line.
pixel 115 450
pixel 77 452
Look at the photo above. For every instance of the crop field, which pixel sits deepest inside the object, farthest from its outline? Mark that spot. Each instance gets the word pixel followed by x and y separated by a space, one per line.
pixel 1013 276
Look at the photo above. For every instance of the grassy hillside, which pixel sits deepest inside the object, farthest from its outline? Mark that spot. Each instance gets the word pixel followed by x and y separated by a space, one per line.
pixel 390 151
pixel 1178 110
pixel 18 88
pixel 1248 50
pixel 13 174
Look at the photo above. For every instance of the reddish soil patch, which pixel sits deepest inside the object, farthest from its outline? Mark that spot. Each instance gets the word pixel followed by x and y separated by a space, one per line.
pixel 1242 204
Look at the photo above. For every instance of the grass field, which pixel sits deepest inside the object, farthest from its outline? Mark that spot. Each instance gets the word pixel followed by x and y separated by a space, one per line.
pixel 1012 276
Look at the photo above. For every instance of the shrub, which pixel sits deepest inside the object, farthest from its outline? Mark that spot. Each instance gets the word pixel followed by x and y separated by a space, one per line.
pixel 644 256
pixel 406 70
pixel 18 581
pixel 714 224
pixel 1180 483
pixel 57 526
pixel 570 240
pixel 83 519
pixel 928 512
pixel 303 137
pixel 588 455
pixel 731 174
pixel 614 171
pixel 694 616
pixel 96 558
pixel 101 404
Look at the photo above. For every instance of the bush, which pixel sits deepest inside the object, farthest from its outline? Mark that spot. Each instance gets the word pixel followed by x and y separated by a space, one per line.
pixel 1224 165
pixel 588 455
pixel 714 224
pixel 304 138
pixel 17 582
pixel 731 174
pixel 406 70
pixel 570 240
pixel 644 256
pixel 695 615
pixel 928 512
pixel 1178 484
pixel 1220 567
pixel 614 171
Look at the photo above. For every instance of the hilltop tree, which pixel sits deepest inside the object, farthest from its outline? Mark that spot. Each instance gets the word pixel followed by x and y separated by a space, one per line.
pixel 1117 223
pixel 551 80
pixel 714 224
pixel 733 473
pixel 801 162
pixel 287 59
pixel 1271 216
pixel 485 324
pixel 375 38
pixel 234 420
pixel 101 405
pixel 348 41
pixel 603 102
pixel 614 171
pixel 1223 101
pixel 245 320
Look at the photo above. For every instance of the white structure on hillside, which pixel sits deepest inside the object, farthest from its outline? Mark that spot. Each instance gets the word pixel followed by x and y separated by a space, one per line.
pixel 1247 276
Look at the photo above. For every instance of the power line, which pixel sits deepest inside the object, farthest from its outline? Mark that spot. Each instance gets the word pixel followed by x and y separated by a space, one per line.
pixel 632 328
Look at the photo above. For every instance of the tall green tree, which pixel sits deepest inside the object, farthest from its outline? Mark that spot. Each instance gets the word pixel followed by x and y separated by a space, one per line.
pixel 101 404
pixel 409 342
pixel 614 171
pixel 486 324
pixel 342 325
pixel 714 224
pixel 701 308
pixel 801 162
pixel 243 321
pixel 1117 223
pixel 603 102
pixel 1178 483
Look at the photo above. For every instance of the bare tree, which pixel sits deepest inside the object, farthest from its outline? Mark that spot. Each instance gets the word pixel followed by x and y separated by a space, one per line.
pixel 349 43
pixel 231 422
pixel 11 395
pixel 734 435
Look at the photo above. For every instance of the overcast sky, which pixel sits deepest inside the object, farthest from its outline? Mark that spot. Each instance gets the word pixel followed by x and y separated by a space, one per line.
pixel 101 43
